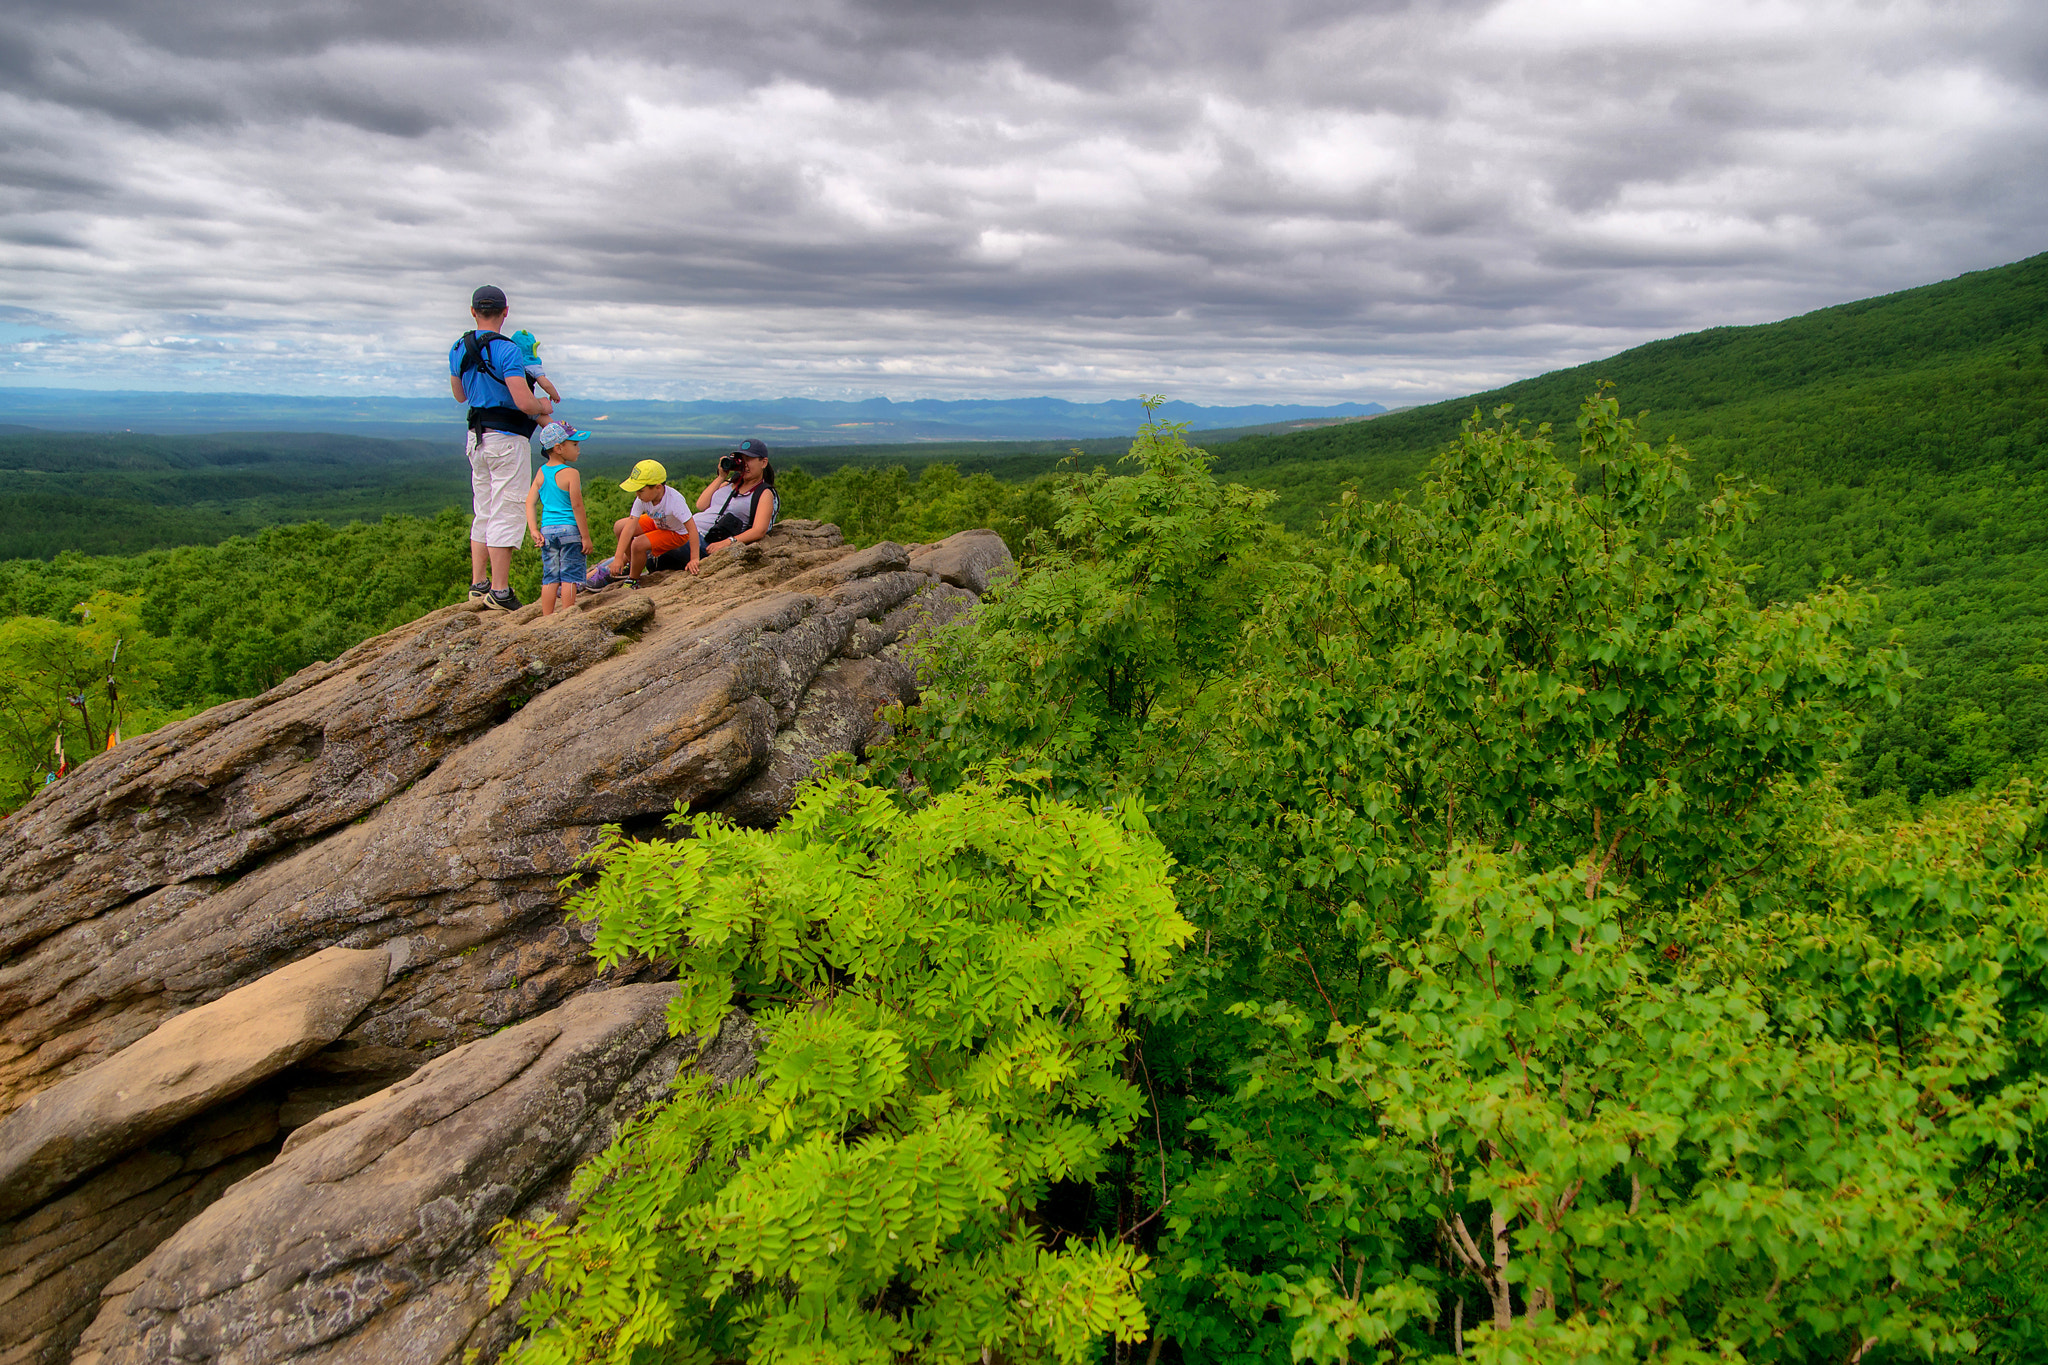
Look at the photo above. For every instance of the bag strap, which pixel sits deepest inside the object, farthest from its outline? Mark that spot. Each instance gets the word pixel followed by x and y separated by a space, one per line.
pixel 476 353
pixel 753 501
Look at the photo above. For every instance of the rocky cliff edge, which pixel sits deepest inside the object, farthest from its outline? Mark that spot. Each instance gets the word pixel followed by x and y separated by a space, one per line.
pixel 289 1012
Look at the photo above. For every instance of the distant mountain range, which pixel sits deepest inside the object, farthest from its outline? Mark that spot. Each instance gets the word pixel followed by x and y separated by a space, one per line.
pixel 779 421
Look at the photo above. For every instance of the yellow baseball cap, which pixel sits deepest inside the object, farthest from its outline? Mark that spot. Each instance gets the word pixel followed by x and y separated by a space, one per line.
pixel 644 473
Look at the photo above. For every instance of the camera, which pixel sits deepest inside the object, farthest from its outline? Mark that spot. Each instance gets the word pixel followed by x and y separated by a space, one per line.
pixel 731 464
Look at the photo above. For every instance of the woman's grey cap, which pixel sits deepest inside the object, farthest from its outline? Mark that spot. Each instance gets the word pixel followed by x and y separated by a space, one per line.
pixel 488 298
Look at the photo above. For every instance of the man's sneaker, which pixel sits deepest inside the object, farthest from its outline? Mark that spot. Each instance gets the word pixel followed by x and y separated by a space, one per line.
pixel 502 600
pixel 482 588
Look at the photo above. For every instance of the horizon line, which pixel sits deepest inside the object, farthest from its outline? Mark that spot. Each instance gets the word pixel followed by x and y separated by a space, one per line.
pixel 6 387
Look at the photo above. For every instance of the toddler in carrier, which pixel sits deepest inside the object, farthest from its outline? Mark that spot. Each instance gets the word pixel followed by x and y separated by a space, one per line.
pixel 529 353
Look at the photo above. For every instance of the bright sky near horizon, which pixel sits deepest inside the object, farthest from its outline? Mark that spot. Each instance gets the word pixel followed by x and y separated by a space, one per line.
pixel 1297 201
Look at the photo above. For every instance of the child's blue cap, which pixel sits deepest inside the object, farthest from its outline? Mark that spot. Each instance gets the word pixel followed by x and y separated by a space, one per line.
pixel 523 339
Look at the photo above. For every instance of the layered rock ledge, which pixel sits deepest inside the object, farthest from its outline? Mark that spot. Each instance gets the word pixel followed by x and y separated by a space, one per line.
pixel 223 939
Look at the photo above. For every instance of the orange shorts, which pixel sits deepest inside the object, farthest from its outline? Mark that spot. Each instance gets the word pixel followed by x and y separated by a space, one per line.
pixel 661 540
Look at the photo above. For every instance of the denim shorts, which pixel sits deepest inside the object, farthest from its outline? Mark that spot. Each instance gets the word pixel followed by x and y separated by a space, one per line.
pixel 561 556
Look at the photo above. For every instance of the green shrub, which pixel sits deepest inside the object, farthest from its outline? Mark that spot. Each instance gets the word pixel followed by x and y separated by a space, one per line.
pixel 945 996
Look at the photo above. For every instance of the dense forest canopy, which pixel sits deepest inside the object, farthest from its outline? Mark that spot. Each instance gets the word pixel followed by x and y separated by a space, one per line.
pixel 1526 991
pixel 125 493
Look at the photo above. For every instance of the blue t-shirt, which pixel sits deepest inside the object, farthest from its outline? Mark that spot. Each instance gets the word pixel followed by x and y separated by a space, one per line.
pixel 482 390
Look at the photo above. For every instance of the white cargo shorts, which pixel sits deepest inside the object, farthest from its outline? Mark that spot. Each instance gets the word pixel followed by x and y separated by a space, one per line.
pixel 500 468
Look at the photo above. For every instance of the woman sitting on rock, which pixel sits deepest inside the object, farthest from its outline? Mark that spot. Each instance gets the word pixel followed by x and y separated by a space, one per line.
pixel 736 508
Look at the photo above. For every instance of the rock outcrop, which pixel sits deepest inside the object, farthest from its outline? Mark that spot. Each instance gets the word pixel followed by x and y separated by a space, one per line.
pixel 218 939
pixel 186 1066
pixel 368 1238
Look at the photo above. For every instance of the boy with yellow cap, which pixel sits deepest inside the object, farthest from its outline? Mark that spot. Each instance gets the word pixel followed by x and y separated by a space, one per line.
pixel 658 521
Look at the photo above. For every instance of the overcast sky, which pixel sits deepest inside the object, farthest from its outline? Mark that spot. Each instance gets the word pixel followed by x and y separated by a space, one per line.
pixel 1296 200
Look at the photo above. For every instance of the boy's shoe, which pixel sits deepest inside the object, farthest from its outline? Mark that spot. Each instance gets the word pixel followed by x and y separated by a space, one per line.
pixel 480 589
pixel 502 600
pixel 599 577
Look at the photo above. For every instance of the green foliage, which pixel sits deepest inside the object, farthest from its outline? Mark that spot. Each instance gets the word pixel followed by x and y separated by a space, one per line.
pixel 1521 657
pixel 1548 1002
pixel 1101 661
pixel 945 994
pixel 236 618
pixel 870 503
pixel 1907 440
pixel 75 683
pixel 1778 1148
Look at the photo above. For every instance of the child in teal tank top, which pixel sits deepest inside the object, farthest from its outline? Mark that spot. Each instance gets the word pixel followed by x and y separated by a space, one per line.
pixel 554 513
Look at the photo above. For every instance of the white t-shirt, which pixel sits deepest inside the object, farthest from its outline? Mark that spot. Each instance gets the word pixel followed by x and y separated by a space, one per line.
pixel 671 513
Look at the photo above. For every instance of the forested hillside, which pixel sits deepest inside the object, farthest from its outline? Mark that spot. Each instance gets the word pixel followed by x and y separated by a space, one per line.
pixel 122 493
pixel 1436 935
pixel 1906 441
pixel 1931 374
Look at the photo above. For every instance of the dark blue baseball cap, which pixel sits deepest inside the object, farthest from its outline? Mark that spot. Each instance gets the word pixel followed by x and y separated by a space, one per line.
pixel 751 447
pixel 488 298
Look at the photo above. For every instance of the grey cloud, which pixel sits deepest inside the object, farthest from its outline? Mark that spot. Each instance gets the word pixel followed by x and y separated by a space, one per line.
pixel 827 42
pixel 1067 38
pixel 35 176
pixel 224 29
pixel 100 69
pixel 369 113
pixel 23 235
pixel 17 57
pixel 1384 200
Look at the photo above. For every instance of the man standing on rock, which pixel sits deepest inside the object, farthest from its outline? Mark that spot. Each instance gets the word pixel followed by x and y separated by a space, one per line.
pixel 488 372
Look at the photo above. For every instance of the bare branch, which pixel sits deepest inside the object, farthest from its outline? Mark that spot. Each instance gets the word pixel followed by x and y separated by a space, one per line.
pixel 1460 1239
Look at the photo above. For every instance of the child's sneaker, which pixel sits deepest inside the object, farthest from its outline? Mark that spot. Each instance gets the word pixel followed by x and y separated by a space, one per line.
pixel 599 577
pixel 502 600
pixel 478 589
